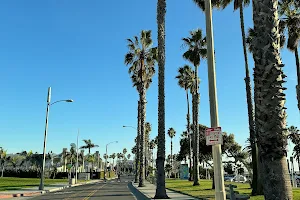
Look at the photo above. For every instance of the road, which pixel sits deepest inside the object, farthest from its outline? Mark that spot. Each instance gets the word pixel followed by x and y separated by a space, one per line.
pixel 110 190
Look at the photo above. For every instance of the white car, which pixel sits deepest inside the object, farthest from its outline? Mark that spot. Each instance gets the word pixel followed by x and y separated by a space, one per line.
pixel 239 178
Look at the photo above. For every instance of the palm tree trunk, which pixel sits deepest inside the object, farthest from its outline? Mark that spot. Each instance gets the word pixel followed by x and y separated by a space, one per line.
pixel 142 126
pixel 270 112
pixel 171 154
pixel 160 192
pixel 298 77
pixel 2 171
pixel 255 183
pixel 195 102
pixel 137 160
pixel 188 132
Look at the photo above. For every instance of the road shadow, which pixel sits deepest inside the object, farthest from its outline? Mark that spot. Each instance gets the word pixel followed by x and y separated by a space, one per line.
pixel 136 192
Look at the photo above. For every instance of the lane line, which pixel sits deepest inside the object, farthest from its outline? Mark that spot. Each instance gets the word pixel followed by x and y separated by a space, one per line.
pixel 76 193
pixel 92 193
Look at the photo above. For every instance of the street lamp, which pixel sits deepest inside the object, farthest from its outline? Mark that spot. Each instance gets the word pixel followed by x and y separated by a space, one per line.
pixel 216 149
pixel 105 169
pixel 41 187
pixel 129 127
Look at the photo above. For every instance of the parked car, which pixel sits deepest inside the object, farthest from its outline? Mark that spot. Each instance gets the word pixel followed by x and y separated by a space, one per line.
pixel 240 179
pixel 229 177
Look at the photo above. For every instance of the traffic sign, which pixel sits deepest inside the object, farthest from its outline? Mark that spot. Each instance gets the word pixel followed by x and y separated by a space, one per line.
pixel 213 136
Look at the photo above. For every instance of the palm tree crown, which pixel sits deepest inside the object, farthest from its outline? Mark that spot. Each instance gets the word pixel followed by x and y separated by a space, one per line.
pixel 88 145
pixel 196 47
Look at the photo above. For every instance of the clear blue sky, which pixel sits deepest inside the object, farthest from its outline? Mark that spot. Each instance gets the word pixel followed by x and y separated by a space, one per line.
pixel 78 49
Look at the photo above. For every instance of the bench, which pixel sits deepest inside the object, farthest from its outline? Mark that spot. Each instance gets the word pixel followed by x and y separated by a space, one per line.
pixel 234 195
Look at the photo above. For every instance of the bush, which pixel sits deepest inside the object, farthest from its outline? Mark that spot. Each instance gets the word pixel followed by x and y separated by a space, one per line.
pixel 21 173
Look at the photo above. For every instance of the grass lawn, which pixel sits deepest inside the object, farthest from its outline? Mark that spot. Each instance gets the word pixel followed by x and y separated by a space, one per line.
pixel 11 183
pixel 205 191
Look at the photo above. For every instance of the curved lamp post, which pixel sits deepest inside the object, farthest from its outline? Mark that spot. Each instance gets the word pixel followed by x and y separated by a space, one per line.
pixel 41 187
pixel 129 127
pixel 105 169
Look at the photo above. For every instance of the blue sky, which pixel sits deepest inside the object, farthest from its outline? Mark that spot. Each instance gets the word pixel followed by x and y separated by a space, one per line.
pixel 78 49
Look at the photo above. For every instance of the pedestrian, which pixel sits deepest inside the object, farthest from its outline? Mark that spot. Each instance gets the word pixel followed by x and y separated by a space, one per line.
pixel 119 176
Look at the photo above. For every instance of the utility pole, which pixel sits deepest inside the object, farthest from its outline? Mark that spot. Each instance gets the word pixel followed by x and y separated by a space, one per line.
pixel 76 177
pixel 216 149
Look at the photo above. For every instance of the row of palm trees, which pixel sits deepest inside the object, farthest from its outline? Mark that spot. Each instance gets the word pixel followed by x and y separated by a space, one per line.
pixel 266 114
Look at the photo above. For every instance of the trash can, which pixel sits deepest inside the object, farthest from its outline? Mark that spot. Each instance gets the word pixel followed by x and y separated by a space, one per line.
pixel 72 181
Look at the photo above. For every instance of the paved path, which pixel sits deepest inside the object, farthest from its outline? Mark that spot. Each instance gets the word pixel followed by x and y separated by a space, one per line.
pixel 110 190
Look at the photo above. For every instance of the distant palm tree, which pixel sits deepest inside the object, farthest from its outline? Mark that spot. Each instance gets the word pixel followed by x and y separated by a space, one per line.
pixel 148 129
pixel 186 78
pixel 113 156
pixel 171 134
pixel 290 20
pixel 128 156
pixel 152 145
pixel 141 58
pixel 196 52
pixel 3 159
pixel 89 145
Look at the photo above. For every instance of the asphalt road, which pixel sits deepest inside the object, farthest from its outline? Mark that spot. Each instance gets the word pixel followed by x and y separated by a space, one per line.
pixel 110 190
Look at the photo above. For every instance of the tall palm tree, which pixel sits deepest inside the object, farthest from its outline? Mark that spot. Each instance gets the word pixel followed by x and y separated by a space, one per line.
pixel 171 134
pixel 269 98
pixel 151 147
pixel 240 4
pixel 141 58
pixel 148 129
pixel 160 192
pixel 290 19
pixel 186 78
pixel 196 52
pixel 89 145
pixel 294 136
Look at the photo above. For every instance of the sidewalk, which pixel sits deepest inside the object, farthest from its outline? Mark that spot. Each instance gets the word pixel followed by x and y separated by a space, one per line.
pixel 34 191
pixel 149 192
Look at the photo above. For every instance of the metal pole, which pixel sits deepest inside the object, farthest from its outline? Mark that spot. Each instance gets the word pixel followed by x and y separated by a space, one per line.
pixel 105 166
pixel 41 187
pixel 76 176
pixel 217 158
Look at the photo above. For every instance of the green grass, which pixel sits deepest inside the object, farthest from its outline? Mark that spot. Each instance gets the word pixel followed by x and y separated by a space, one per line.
pixel 10 183
pixel 205 191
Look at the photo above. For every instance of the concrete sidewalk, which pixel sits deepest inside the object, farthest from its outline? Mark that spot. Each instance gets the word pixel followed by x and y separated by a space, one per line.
pixel 149 192
pixel 34 191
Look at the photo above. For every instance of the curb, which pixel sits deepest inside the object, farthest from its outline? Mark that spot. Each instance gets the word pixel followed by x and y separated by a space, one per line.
pixel 28 194
pixel 137 193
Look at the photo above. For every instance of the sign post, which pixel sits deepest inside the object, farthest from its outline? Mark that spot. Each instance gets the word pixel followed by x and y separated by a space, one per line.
pixel 213 136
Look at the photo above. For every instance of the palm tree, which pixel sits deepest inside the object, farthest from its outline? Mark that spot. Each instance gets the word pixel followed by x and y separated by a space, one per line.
pixel 269 98
pixel 294 136
pixel 197 51
pixel 113 156
pixel 3 159
pixel 240 4
pixel 290 19
pixel 148 129
pixel 214 4
pixel 160 192
pixel 89 145
pixel 186 78
pixel 141 58
pixel 171 133
pixel 151 147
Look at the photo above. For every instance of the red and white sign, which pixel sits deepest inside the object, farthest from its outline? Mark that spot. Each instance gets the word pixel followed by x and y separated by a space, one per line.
pixel 213 136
